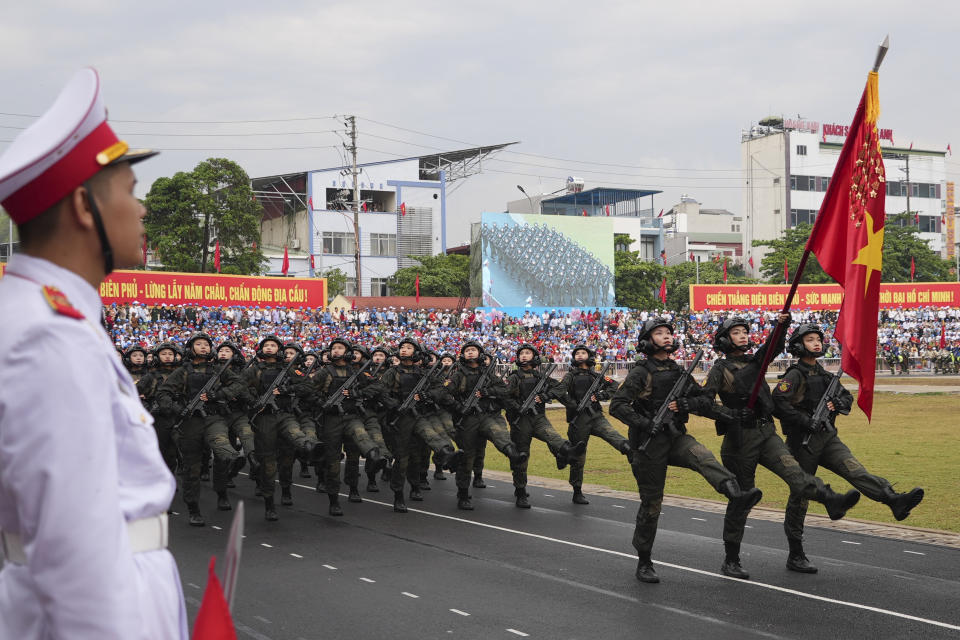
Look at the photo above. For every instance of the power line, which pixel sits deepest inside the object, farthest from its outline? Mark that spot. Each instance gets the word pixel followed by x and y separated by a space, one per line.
pixel 303 119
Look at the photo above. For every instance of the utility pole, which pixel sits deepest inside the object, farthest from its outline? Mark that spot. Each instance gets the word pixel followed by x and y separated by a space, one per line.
pixel 909 188
pixel 352 148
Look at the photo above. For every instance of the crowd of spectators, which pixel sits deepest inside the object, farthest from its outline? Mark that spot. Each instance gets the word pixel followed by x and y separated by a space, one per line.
pixel 612 334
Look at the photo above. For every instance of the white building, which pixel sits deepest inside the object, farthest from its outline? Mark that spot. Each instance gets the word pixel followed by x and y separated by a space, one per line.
pixel 403 213
pixel 787 166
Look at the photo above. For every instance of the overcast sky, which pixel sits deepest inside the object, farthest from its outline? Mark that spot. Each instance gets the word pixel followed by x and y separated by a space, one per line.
pixel 660 89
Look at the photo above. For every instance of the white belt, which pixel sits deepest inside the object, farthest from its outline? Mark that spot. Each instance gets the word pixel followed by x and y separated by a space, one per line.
pixel 146 534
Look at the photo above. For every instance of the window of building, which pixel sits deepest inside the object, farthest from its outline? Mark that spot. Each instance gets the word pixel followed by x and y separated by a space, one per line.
pixel 801 149
pixel 378 287
pixel 776 180
pixel 929 224
pixel 338 243
pixel 350 287
pixel 383 244
pixel 793 183
pixel 812 183
pixel 801 216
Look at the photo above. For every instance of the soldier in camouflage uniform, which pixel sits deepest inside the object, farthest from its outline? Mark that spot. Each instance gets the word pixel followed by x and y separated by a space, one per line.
pixel 369 407
pixel 164 363
pixel 135 360
pixel 796 398
pixel 238 426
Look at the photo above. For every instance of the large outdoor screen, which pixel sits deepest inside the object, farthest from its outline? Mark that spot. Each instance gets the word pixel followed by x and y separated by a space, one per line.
pixel 546 261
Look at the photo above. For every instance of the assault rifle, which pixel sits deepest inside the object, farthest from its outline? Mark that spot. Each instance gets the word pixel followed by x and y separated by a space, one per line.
pixel 664 416
pixel 409 403
pixel 196 404
pixel 268 399
pixel 335 400
pixel 585 403
pixel 470 404
pixel 820 421
pixel 529 404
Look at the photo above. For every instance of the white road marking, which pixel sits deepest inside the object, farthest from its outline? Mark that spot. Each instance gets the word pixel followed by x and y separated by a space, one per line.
pixel 297 555
pixel 459 613
pixel 849 542
pixel 262 619
pixel 268 546
pixel 633 558
pixel 329 566
pixel 748 526
pixel 174 513
pixel 518 633
pixel 546 495
pixel 834 564
pixel 368 580
pixel 618 506
pixel 896 575
pixel 190 584
pixel 916 553
pixel 215 527
pixel 409 595
pixel 700 519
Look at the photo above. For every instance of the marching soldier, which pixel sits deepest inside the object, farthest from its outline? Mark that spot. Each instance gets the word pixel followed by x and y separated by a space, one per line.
pixel 164 363
pixel 485 421
pixel 447 363
pixel 591 420
pixel 526 425
pixel 135 360
pixel 273 420
pixel 371 424
pixel 635 403
pixel 796 398
pixel 206 424
pixel 750 437
pixel 238 426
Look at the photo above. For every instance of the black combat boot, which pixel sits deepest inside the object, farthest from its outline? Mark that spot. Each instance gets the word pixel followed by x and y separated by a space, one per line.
pixel 438 474
pixel 837 504
pixel 522 495
pixel 731 564
pixel 286 498
pixel 398 504
pixel 449 458
pixel 578 496
pixel 372 486
pixel 335 508
pixel 270 511
pixel 235 466
pixel 478 482
pixel 375 461
pixel 415 494
pixel 354 494
pixel 797 560
pixel 463 500
pixel 516 456
pixel 424 483
pixel 626 450
pixel 223 502
pixel 741 501
pixel 196 520
pixel 645 571
pixel 901 503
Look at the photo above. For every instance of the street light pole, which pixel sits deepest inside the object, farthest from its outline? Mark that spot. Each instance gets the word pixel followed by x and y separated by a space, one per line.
pixel 528 198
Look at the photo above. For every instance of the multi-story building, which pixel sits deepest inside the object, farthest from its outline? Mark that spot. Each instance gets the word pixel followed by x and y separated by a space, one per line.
pixel 787 166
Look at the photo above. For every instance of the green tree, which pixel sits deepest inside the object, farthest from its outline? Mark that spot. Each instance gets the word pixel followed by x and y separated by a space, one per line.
pixel 636 282
pixel 790 247
pixel 440 275
pixel 187 211
pixel 336 282
pixel 902 241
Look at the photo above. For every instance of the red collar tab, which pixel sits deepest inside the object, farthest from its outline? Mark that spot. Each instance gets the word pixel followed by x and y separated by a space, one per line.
pixel 59 303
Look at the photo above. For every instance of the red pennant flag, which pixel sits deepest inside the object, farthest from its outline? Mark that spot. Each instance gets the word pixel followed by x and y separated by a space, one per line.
pixel 660 215
pixel 916 218
pixel 310 202
pixel 911 145
pixel 285 267
pixel 943 335
pixel 607 207
pixel 786 272
pixel 913 268
pixel 416 285
pixel 949 150
pixel 584 213
pixel 363 206
pixel 663 256
pixel 750 262
pixel 848 241
pixel 216 257
pixel 691 257
pixel 724 272
pixel 663 290
pixel 312 265
pixel 213 618
pixel 144 249
pixel 403 208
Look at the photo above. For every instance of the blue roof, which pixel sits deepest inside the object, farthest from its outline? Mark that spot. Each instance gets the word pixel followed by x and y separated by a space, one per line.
pixel 601 196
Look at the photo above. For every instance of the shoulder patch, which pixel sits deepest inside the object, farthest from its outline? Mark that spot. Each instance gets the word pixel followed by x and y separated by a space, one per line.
pixel 59 303
pixel 446 382
pixel 784 386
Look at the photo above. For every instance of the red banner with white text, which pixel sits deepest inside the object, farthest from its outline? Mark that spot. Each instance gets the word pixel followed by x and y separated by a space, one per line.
pixel 717 297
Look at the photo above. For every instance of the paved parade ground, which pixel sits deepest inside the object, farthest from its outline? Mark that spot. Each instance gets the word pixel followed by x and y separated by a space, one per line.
pixel 559 571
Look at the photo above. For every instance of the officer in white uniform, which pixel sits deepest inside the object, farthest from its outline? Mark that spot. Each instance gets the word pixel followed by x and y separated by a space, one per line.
pixel 83 488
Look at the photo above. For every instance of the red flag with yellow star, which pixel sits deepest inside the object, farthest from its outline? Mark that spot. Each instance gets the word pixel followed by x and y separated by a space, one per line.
pixel 847 239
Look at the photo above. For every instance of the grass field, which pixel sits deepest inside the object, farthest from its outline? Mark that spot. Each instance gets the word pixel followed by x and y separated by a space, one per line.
pixel 913 441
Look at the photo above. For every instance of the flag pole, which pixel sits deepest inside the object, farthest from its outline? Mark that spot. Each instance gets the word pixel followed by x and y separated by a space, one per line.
pixel 778 328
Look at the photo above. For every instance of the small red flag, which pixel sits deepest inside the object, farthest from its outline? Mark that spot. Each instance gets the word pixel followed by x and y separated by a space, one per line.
pixel 213 618
pixel 943 335
pixel 949 150
pixel 312 265
pixel 660 215
pixel 913 268
pixel 691 257
pixel 310 201
pixel 607 208
pixel 663 290
pixel 916 218
pixel 144 249
pixel 786 272
pixel 216 257
pixel 663 256
pixel 724 272
pixel 416 285
pixel 584 213
pixel 403 208
pixel 750 262
pixel 911 145
pixel 363 206
pixel 285 267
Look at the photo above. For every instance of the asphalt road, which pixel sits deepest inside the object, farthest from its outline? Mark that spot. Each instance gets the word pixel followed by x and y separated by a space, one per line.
pixel 555 571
